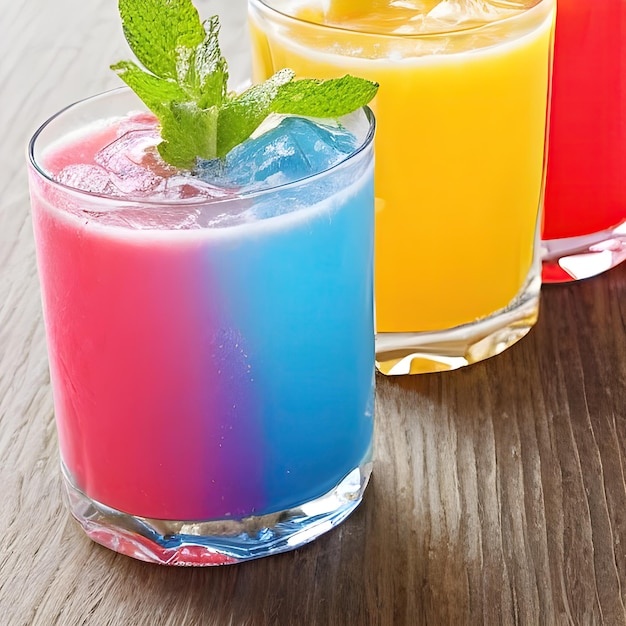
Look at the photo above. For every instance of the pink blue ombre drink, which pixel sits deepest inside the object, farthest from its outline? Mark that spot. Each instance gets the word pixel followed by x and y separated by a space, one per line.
pixel 210 332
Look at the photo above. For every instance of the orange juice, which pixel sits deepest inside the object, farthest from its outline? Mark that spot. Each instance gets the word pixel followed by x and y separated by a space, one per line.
pixel 460 140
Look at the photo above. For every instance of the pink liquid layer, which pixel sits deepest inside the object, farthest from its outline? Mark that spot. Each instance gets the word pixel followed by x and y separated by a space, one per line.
pixel 135 405
pixel 585 189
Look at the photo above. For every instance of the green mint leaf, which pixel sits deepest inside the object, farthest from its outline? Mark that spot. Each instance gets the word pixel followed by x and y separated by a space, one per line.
pixel 324 98
pixel 156 29
pixel 331 98
pixel 156 93
pixel 201 70
pixel 185 84
pixel 241 116
pixel 209 69
pixel 188 132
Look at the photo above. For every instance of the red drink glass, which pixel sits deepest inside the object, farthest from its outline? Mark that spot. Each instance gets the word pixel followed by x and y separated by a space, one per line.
pixel 584 229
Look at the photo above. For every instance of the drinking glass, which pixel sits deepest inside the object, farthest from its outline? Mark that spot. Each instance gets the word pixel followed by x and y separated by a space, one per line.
pixel 461 111
pixel 584 228
pixel 211 360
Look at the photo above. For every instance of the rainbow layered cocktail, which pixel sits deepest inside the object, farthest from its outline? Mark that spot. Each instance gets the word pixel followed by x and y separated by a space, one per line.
pixel 210 344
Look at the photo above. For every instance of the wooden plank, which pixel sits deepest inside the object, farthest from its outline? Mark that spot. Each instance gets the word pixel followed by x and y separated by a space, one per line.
pixel 499 491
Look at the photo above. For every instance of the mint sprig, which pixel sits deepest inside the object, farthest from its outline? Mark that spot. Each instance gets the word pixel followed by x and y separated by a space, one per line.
pixel 184 82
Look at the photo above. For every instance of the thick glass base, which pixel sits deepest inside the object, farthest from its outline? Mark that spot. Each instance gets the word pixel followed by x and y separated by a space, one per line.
pixel 450 349
pixel 216 542
pixel 576 258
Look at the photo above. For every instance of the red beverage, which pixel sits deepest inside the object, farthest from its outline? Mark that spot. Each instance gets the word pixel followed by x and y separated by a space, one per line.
pixel 586 188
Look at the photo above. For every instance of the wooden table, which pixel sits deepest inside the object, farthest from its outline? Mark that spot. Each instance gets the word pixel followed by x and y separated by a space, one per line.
pixel 499 492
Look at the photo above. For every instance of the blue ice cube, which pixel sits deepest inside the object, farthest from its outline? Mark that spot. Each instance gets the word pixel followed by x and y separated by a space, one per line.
pixel 294 149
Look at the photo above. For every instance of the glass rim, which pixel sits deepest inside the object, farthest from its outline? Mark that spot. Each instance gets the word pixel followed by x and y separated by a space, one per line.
pixel 135 201
pixel 467 30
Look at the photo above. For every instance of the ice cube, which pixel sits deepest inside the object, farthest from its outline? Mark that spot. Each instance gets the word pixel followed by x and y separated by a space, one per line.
pixel 451 13
pixel 415 17
pixel 296 148
pixel 184 186
pixel 132 164
pixel 91 178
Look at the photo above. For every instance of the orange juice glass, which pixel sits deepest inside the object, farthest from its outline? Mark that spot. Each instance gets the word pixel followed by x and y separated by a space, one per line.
pixel 462 115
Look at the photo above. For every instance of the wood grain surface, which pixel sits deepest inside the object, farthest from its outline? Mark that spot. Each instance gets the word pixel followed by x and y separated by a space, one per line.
pixel 499 491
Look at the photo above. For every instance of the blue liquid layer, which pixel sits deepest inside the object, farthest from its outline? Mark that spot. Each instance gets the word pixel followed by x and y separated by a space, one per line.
pixel 300 300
